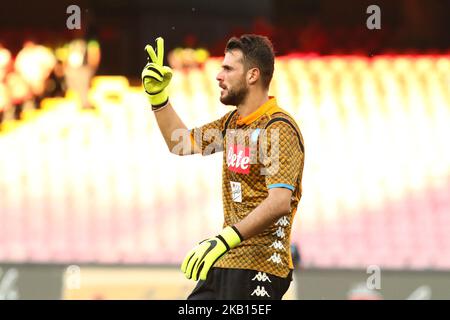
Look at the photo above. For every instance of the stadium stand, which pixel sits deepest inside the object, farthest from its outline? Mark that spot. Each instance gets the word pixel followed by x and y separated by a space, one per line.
pixel 79 186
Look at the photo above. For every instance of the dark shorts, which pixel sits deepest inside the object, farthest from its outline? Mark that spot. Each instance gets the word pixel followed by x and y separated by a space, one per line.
pixel 240 284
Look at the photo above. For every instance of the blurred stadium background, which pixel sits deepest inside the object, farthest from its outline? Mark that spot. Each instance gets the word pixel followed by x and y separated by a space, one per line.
pixel 93 206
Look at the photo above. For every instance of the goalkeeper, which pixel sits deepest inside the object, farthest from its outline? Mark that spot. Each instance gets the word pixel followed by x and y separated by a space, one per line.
pixel 262 171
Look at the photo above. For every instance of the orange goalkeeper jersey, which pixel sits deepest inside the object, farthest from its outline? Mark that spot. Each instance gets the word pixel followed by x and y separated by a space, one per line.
pixel 263 150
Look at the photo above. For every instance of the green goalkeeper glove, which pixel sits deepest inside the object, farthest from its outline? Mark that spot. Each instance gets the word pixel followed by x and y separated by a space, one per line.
pixel 198 261
pixel 155 76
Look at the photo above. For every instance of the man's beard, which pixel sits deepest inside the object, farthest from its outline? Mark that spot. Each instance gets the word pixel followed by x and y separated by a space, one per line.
pixel 235 97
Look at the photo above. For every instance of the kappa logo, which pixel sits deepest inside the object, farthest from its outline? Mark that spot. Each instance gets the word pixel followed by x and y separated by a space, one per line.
pixel 260 291
pixel 283 221
pixel 278 245
pixel 275 258
pixel 238 159
pixel 262 277
pixel 280 233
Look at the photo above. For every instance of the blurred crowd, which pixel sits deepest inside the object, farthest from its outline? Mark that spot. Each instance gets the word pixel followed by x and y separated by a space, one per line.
pixel 312 37
pixel 316 37
pixel 37 72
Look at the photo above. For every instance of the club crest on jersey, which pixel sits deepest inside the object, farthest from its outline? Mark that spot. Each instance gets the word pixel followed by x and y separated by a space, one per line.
pixel 238 159
pixel 255 134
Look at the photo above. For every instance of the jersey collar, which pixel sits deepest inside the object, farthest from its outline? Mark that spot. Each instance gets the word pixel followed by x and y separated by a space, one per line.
pixel 270 104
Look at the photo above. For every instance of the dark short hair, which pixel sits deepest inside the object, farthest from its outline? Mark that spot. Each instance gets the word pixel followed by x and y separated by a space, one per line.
pixel 258 53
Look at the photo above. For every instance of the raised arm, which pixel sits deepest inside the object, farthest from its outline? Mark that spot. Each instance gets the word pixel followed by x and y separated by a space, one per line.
pixel 155 80
pixel 174 131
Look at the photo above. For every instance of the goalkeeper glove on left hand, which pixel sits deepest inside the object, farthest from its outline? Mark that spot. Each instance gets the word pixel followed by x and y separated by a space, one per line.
pixel 155 76
pixel 199 261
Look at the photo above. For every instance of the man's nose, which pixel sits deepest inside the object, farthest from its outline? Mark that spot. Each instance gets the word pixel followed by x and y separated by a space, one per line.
pixel 219 77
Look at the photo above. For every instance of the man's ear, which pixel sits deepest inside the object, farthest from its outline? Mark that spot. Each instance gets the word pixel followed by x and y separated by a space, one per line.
pixel 253 75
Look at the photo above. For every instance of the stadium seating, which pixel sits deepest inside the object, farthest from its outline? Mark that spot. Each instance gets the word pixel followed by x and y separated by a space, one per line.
pixel 101 187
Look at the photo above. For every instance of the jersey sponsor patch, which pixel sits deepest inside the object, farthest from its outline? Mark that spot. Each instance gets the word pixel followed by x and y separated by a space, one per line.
pixel 236 191
pixel 238 159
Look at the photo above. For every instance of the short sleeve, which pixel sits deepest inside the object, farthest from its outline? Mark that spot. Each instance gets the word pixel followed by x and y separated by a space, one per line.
pixel 283 156
pixel 209 136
